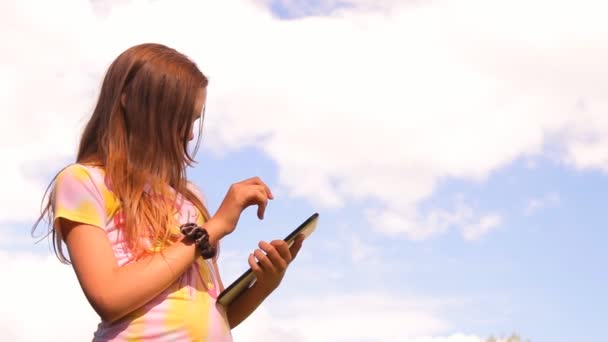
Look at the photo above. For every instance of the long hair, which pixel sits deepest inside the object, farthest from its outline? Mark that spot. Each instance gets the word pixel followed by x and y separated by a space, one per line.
pixel 138 133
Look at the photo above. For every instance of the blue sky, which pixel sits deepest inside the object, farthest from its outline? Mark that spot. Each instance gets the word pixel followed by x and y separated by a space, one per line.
pixel 539 271
pixel 458 171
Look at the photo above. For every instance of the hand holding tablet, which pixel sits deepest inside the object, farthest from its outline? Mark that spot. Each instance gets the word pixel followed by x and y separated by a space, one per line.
pixel 248 278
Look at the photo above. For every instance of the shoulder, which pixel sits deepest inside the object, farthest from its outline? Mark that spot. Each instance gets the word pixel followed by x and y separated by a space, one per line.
pixel 81 173
pixel 79 181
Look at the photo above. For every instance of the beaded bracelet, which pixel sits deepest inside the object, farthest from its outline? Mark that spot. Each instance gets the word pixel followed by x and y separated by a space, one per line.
pixel 200 237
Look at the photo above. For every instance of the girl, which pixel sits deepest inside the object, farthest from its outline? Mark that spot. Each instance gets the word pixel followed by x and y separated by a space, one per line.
pixel 141 242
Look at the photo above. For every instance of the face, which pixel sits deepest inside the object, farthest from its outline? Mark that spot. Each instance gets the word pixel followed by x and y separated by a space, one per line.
pixel 201 100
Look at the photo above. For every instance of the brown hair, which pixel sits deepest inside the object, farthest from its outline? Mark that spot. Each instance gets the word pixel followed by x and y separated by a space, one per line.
pixel 139 134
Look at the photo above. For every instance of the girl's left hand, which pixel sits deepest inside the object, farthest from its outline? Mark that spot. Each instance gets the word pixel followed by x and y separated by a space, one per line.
pixel 274 262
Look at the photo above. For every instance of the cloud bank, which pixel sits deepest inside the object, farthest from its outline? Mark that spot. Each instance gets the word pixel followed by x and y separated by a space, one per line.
pixel 378 105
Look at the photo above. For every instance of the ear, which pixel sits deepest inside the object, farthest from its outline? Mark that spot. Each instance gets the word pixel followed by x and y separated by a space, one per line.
pixel 123 100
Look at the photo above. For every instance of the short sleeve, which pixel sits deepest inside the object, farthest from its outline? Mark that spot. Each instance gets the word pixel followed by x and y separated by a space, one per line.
pixel 77 197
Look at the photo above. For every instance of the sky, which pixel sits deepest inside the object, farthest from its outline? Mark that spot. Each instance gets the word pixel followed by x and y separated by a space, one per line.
pixel 456 151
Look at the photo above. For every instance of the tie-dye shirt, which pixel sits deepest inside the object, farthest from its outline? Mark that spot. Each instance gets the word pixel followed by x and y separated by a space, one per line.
pixel 187 310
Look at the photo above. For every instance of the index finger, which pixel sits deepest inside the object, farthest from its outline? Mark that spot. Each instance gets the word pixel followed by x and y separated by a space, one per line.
pixel 257 181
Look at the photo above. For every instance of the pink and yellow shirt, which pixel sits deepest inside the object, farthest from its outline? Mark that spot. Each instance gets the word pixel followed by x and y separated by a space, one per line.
pixel 187 310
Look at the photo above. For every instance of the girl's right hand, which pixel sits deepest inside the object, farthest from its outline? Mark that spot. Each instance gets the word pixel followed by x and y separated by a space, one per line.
pixel 240 196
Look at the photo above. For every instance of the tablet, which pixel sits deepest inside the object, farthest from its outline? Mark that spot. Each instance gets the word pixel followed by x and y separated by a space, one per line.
pixel 248 278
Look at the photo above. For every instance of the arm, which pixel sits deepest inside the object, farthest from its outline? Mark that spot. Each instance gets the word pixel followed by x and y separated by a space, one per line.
pixel 245 304
pixel 80 213
pixel 269 273
pixel 114 291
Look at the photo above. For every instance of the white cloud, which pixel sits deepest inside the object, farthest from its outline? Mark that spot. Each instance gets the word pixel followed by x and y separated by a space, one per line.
pixel 473 225
pixel 451 338
pixel 590 154
pixel 13 237
pixel 349 317
pixel 378 106
pixel 51 298
pixel 547 201
pixel 360 250
pixel 42 301
pixel 484 226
